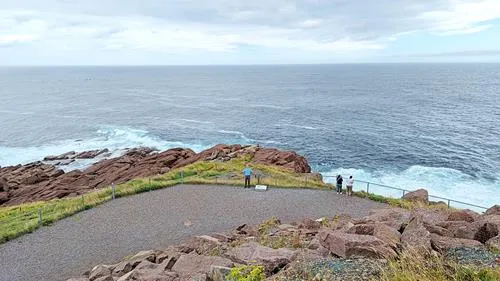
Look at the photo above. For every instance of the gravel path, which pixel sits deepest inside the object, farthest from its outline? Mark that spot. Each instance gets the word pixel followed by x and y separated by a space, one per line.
pixel 155 220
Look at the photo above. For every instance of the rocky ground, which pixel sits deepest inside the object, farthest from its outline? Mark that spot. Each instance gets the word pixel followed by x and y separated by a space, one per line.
pixel 339 248
pixel 44 180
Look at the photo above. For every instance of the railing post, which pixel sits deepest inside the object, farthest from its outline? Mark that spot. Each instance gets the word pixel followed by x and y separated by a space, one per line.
pixel 305 180
pixel 113 190
pixel 368 188
pixel 403 193
pixel 40 220
pixel 182 176
pixel 83 201
pixel 448 203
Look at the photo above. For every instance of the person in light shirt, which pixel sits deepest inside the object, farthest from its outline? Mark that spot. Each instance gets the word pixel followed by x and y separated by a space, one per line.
pixel 349 184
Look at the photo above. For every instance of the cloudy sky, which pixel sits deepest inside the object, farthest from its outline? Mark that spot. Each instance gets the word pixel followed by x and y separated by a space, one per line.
pixel 130 32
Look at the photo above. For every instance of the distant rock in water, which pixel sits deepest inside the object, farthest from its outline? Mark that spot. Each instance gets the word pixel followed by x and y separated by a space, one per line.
pixel 44 181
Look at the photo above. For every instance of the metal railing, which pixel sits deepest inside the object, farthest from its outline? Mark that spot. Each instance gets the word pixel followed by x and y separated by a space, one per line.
pixel 448 201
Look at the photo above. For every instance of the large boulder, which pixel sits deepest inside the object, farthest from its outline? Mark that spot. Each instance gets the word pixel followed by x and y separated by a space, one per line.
pixel 383 232
pixel 193 264
pixel 127 266
pixel 419 195
pixel 443 244
pixel 494 243
pixel 348 245
pixel 463 215
pixel 439 230
pixel 254 253
pixel 287 159
pixel 495 210
pixel 396 218
pixel 416 236
pixel 204 244
pixel 148 271
pixel 100 271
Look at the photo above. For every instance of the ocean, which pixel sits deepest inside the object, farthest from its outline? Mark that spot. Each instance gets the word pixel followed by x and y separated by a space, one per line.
pixel 405 125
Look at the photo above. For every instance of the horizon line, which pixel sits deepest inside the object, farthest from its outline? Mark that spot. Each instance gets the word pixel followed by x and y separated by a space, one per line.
pixel 257 64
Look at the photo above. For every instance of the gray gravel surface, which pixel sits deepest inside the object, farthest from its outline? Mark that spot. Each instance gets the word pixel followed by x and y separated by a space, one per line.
pixel 155 220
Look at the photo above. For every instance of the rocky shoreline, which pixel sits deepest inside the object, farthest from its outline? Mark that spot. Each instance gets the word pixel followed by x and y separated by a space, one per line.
pixel 45 180
pixel 338 248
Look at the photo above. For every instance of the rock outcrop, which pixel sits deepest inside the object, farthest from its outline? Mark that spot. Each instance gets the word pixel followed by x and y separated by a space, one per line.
pixel 42 181
pixel 419 195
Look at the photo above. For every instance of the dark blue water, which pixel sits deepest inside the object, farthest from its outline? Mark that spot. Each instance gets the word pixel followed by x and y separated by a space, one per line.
pixel 408 125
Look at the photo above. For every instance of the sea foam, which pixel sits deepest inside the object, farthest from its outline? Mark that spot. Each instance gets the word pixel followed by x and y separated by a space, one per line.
pixel 116 139
pixel 439 181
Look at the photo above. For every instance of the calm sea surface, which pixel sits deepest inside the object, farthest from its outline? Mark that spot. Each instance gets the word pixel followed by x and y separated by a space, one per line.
pixel 405 125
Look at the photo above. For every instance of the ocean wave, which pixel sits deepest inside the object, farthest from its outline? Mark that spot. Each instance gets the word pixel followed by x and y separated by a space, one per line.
pixel 196 121
pixel 439 181
pixel 116 139
pixel 299 126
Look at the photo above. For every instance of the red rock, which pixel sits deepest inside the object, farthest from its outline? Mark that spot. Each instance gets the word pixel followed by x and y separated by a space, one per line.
pixel 247 230
pixel 254 253
pixel 420 195
pixel 463 215
pixel 347 245
pixel 4 197
pixel 192 264
pixel 416 236
pixel 441 231
pixel 287 159
pixel 494 243
pixel 204 244
pixel 442 244
pixel 383 232
pixel 38 181
pixel 495 210
pixel 309 224
pixel 91 154
pixel 4 186
pixel 63 156
pixel 393 217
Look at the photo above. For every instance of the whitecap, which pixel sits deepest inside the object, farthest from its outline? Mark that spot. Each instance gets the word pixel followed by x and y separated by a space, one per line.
pixel 116 139
pixel 299 126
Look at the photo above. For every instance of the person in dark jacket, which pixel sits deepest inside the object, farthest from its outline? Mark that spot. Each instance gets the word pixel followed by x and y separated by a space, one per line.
pixel 339 184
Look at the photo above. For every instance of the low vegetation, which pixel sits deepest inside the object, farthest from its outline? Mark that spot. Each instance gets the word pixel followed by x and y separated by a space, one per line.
pixel 247 273
pixel 412 266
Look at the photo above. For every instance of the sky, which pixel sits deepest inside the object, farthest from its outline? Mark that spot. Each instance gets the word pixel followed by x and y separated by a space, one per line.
pixel 199 32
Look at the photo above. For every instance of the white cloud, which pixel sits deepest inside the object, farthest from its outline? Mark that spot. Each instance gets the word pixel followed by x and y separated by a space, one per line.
pixel 463 17
pixel 182 27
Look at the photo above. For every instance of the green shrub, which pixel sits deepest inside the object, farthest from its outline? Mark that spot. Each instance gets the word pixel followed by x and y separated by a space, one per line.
pixel 247 273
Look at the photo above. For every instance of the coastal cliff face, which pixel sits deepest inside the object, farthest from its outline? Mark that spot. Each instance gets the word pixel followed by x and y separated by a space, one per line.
pixel 45 180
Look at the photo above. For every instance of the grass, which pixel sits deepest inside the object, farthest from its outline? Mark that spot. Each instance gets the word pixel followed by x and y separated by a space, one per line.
pixel 395 202
pixel 25 218
pixel 412 266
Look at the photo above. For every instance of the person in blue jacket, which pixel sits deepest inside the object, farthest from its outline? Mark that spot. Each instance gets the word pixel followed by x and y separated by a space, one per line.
pixel 247 172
